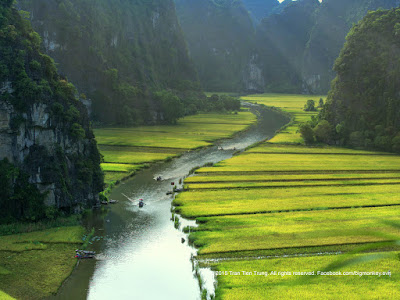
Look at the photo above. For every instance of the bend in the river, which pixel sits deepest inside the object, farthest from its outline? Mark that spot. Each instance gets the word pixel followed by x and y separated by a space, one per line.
pixel 141 253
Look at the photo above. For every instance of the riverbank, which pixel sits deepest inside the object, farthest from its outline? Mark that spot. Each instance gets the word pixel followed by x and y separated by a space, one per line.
pixel 282 199
pixel 33 265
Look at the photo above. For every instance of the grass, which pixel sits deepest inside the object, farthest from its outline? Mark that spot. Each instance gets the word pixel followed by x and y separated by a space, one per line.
pixel 283 198
pixel 125 150
pixel 4 296
pixel 36 263
pixel 310 287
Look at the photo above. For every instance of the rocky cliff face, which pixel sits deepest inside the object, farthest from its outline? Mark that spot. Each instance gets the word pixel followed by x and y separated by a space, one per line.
pixel 115 52
pixel 44 128
pixel 54 160
pixel 220 37
pixel 281 40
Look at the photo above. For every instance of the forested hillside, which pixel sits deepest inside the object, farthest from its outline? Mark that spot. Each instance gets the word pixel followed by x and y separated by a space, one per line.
pixel 220 37
pixel 333 22
pixel 117 53
pixel 48 155
pixel 363 107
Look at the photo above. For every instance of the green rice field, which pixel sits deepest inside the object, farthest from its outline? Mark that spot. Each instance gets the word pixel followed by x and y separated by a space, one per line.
pixel 285 280
pixel 34 265
pixel 292 104
pixel 127 150
pixel 281 199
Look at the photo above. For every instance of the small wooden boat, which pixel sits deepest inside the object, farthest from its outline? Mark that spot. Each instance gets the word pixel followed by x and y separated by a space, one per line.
pixel 82 254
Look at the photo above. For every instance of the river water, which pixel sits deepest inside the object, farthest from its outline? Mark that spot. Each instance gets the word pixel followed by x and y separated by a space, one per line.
pixel 141 254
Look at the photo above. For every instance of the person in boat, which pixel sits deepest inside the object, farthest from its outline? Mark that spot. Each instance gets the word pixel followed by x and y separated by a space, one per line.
pixel 159 178
pixel 141 203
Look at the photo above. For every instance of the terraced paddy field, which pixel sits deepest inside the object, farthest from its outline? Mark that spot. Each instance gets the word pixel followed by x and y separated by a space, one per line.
pixel 127 150
pixel 282 199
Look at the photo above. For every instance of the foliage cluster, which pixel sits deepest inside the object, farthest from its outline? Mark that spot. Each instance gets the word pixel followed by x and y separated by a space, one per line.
pixel 362 108
pixel 19 200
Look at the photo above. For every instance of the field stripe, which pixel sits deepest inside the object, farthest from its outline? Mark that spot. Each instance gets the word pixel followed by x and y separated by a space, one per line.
pixel 288 186
pixel 266 212
pixel 321 153
pixel 295 172
pixel 293 180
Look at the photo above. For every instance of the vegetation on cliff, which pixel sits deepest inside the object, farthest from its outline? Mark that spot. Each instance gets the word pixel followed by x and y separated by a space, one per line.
pixel 363 105
pixel 334 19
pixel 45 131
pixel 118 54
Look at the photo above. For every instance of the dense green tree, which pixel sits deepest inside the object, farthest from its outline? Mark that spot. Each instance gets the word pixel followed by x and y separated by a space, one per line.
pixel 310 106
pixel 307 133
pixel 324 132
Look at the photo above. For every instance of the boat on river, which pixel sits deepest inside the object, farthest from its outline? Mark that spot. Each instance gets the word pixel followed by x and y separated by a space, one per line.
pixel 141 203
pixel 81 254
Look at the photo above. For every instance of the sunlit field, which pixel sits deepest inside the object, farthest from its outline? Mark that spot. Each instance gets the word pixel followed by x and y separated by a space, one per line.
pixel 126 150
pixel 296 229
pixel 284 198
pixel 284 286
pixel 288 103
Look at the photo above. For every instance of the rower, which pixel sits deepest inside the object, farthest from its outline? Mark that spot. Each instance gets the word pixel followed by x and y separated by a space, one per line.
pixel 141 203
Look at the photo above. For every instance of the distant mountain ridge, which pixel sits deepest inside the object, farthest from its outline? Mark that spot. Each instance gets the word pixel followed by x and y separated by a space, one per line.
pixel 293 48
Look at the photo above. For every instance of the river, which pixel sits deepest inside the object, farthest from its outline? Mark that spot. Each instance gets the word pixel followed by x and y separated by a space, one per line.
pixel 141 254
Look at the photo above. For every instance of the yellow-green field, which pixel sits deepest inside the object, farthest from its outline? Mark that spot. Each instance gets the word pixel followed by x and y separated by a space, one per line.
pixel 33 265
pixel 126 150
pixel 292 104
pixel 255 285
pixel 283 198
